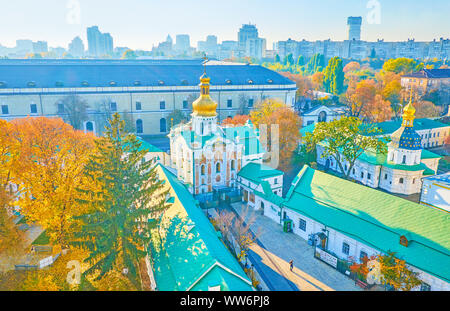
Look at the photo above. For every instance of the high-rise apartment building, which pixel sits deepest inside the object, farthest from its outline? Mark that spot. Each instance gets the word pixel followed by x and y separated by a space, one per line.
pixel 99 43
pixel 246 32
pixel 182 43
pixel 354 28
pixel 76 47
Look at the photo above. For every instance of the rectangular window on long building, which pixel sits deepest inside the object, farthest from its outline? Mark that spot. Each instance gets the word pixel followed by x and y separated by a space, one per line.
pixel 5 109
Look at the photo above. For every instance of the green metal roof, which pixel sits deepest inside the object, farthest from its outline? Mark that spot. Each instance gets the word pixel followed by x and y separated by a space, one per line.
pixel 375 218
pixel 191 256
pixel 247 137
pixel 427 154
pixel 258 172
pixel 388 127
pixel 268 194
pixel 307 129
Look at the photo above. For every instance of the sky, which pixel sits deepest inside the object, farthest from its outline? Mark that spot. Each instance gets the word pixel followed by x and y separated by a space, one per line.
pixel 140 24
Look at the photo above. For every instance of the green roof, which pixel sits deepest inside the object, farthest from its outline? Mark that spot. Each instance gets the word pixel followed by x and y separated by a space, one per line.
pixel 147 146
pixel 268 194
pixel 307 129
pixel 191 256
pixel 427 154
pixel 247 137
pixel 258 172
pixel 375 218
pixel 388 127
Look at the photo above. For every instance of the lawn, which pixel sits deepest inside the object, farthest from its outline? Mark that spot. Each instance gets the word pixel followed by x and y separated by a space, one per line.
pixel 42 239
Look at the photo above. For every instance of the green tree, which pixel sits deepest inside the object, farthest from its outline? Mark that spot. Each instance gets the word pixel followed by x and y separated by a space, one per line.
pixel 128 195
pixel 74 110
pixel 277 59
pixel 176 117
pixel 334 76
pixel 289 60
pixel 315 64
pixel 129 54
pixel 345 140
pixel 400 65
pixel 300 61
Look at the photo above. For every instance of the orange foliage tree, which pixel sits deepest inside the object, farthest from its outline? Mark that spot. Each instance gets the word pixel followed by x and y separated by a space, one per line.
pixel 49 169
pixel 237 120
pixel 272 111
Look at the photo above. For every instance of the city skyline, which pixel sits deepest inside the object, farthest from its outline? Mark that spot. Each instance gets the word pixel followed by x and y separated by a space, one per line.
pixel 72 17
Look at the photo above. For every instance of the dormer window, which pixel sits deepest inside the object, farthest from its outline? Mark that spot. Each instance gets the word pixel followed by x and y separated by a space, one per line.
pixel 84 83
pixel 270 81
pixel 228 81
pixel 2 84
pixel 404 241
pixel 161 82
pixel 113 83
pixel 184 82
pixel 59 84
pixel 250 81
pixel 31 84
pixel 137 82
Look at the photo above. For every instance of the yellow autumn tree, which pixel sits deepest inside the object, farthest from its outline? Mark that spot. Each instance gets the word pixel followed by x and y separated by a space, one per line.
pixel 52 157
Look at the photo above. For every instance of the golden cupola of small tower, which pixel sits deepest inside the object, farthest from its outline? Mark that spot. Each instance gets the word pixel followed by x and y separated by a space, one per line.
pixel 204 106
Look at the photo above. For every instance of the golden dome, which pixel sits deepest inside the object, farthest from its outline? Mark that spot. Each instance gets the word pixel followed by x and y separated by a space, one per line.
pixel 204 105
pixel 409 110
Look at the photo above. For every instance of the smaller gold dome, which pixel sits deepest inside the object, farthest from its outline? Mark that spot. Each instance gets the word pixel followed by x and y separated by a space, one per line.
pixel 204 105
pixel 409 110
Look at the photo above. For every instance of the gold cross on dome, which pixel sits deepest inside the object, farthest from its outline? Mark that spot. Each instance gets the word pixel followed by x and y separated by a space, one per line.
pixel 205 59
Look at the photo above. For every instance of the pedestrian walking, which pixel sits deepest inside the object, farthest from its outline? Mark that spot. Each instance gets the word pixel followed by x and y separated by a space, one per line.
pixel 291 264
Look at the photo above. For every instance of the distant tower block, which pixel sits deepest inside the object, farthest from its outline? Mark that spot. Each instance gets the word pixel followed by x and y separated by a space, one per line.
pixel 354 28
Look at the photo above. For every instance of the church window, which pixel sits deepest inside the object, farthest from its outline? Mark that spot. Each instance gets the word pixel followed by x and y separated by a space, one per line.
pixel 385 176
pixel 89 126
pixel 139 126
pixel 404 159
pixel 250 103
pixel 201 128
pixel 185 104
pixel 353 171
pixel 202 170
pixel 229 103
pixel 362 255
pixel 362 174
pixel 345 248
pixel 33 108
pixel 218 167
pixel 113 106
pixel 232 165
pixel 400 181
pixel 5 109
pixel 414 181
pixel 162 105
pixel 369 176
pixel 162 125
pixel 138 106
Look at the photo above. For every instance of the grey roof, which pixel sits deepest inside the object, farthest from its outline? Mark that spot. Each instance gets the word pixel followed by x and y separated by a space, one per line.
pixel 100 73
pixel 443 178
pixel 430 74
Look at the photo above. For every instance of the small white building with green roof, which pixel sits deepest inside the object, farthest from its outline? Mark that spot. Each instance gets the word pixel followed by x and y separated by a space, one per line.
pixel 186 252
pixel 260 184
pixel 400 170
pixel 350 221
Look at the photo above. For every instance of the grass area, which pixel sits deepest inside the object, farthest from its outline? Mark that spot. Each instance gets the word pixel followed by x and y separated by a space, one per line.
pixel 42 239
pixel 22 221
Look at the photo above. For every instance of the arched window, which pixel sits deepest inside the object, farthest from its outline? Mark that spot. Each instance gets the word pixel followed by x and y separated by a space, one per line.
pixel 89 126
pixel 404 159
pixel 139 126
pixel 322 116
pixel 232 165
pixel 202 170
pixel 218 167
pixel 162 125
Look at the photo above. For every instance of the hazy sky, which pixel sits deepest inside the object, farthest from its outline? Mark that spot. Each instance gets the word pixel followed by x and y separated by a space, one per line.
pixel 138 24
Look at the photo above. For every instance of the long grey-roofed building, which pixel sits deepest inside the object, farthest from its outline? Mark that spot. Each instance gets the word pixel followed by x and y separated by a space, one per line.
pixel 145 91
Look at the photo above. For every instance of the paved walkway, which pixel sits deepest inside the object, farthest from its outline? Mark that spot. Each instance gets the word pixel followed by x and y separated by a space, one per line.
pixel 276 248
